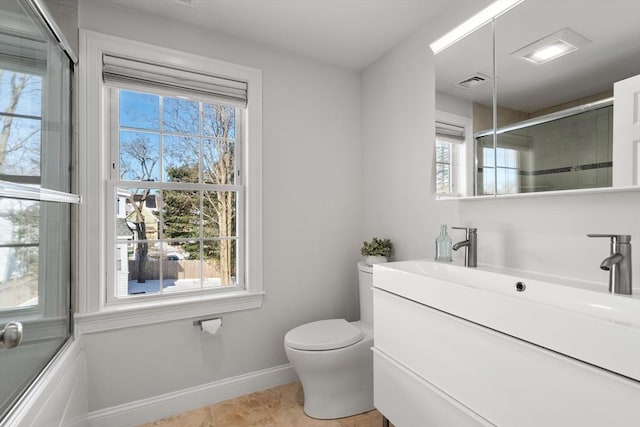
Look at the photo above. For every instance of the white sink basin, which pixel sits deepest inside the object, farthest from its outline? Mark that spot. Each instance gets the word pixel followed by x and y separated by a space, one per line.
pixel 576 318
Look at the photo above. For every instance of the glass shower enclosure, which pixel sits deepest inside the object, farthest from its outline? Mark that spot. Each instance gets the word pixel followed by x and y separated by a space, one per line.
pixel 567 150
pixel 36 200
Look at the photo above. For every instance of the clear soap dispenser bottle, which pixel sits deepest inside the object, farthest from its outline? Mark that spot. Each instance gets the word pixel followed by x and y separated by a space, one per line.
pixel 443 245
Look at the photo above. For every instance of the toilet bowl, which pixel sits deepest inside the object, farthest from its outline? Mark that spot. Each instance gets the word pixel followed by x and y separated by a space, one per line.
pixel 333 359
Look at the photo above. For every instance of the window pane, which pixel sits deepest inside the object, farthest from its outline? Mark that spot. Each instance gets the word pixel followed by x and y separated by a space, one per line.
pixel 218 214
pixel 511 158
pixel 180 159
pixel 443 152
pixel 501 157
pixel 143 268
pixel 19 252
pixel 511 181
pixel 139 110
pixel 488 157
pixel 181 211
pixel 219 121
pixel 21 154
pixel 488 181
pixel 180 116
pixel 142 213
pixel 21 94
pixel 139 156
pixel 220 263
pixel 443 185
pixel 218 161
pixel 183 273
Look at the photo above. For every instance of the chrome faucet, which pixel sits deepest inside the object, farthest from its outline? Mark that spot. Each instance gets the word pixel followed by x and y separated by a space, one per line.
pixel 618 263
pixel 470 244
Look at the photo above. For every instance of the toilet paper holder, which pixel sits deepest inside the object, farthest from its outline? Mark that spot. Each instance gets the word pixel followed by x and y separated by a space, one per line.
pixel 199 322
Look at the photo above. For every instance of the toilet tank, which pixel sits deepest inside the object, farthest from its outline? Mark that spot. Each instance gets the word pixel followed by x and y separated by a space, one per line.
pixel 365 282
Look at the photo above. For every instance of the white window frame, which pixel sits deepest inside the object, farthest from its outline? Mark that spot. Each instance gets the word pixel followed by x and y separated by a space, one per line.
pixel 95 313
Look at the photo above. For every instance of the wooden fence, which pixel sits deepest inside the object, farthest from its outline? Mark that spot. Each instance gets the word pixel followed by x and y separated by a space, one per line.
pixel 181 269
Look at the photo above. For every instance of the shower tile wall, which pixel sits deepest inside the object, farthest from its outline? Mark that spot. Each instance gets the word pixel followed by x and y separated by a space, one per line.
pixel 569 153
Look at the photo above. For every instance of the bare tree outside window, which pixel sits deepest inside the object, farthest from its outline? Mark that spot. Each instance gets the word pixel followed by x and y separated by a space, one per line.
pixel 20 131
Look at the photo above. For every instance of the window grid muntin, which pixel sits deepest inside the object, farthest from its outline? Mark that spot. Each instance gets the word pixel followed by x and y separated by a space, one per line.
pixel 491 168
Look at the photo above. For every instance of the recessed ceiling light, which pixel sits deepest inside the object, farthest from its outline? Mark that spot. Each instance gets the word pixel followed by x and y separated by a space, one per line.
pixel 477 21
pixel 552 51
pixel 551 47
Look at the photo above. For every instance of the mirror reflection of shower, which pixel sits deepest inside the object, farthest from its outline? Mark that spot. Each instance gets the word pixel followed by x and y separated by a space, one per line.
pixel 564 151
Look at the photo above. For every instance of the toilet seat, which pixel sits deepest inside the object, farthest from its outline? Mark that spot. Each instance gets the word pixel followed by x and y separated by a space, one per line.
pixel 329 334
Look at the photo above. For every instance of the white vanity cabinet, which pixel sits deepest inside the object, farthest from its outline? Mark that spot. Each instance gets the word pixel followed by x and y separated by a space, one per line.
pixel 432 368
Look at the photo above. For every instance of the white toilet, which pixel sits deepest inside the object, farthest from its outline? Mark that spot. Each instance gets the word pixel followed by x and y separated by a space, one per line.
pixel 333 359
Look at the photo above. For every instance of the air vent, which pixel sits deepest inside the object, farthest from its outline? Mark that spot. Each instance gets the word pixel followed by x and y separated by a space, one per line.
pixel 474 80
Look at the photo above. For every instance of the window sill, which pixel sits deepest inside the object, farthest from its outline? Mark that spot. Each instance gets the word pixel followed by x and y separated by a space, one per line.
pixel 145 313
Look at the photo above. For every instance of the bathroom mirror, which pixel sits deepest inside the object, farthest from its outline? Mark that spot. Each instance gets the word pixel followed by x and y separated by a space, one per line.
pixel 554 119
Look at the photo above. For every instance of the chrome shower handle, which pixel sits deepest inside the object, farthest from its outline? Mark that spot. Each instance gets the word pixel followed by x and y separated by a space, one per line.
pixel 11 335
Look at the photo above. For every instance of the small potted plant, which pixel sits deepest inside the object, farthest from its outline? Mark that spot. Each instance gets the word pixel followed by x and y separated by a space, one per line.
pixel 377 250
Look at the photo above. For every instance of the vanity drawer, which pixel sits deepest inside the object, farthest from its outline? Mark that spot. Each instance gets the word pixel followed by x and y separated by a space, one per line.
pixel 505 380
pixel 409 401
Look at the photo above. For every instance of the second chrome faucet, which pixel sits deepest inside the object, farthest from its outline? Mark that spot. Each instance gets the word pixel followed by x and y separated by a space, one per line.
pixel 618 263
pixel 470 244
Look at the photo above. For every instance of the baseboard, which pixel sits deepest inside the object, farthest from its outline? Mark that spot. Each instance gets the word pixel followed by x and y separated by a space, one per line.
pixel 154 408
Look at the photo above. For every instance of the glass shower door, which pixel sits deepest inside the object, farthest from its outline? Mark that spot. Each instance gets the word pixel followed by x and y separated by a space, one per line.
pixel 35 199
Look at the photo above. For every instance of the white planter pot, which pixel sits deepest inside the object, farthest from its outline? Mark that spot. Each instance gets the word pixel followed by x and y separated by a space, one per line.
pixel 372 259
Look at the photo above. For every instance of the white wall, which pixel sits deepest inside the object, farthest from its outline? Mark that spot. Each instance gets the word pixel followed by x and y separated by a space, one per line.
pixel 397 156
pixel 312 211
pixel 544 233
pixel 397 142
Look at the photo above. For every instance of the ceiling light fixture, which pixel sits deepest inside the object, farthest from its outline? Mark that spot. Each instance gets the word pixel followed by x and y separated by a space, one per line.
pixel 551 47
pixel 477 21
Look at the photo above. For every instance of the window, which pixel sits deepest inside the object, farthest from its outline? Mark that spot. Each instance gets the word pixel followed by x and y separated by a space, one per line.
pixel 444 166
pixel 177 190
pixel 180 140
pixel 20 120
pixel 451 176
pixel 35 157
pixel 501 173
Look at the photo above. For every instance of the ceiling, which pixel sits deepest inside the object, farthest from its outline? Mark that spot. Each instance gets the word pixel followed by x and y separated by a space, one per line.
pixel 613 54
pixel 347 33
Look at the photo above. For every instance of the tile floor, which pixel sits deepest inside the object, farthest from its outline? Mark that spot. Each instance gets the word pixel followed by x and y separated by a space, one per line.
pixel 280 406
